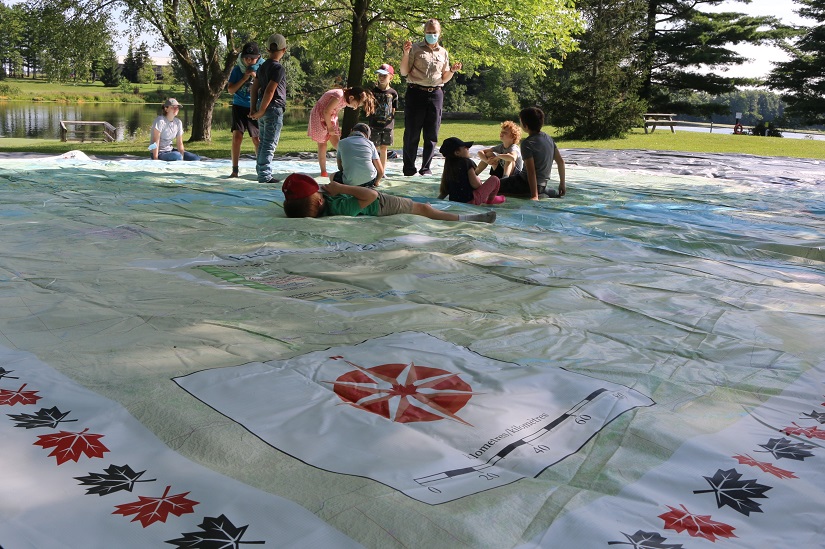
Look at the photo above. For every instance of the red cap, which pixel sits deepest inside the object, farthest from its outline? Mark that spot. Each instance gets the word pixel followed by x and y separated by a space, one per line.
pixel 386 69
pixel 298 185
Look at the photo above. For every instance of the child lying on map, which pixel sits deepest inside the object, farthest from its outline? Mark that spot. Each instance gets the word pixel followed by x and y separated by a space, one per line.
pixel 304 198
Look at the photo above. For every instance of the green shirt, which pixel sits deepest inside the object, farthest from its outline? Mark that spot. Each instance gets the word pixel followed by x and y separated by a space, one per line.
pixel 346 204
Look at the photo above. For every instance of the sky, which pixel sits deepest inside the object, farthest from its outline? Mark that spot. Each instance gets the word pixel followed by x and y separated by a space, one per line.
pixel 761 56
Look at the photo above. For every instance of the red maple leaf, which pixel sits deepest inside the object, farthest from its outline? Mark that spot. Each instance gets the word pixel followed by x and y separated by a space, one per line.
pixel 698 526
pixel 810 432
pixel 69 446
pixel 150 510
pixel 765 466
pixel 18 397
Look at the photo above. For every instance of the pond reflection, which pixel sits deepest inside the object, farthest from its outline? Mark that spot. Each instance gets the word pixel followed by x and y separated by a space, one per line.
pixel 42 120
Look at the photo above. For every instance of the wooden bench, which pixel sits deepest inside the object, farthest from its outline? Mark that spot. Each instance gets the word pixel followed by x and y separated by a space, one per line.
pixel 86 130
pixel 654 119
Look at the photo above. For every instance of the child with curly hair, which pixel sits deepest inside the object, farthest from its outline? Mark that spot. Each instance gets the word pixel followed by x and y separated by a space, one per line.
pixel 504 159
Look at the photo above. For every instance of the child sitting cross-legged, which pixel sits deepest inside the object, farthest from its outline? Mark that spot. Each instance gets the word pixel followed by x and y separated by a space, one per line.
pixel 460 180
pixel 504 159
pixel 539 151
pixel 304 198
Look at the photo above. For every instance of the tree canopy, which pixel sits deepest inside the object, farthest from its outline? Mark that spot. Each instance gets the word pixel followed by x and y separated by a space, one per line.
pixel 60 38
pixel 204 39
pixel 595 94
pixel 529 34
pixel 681 39
pixel 802 79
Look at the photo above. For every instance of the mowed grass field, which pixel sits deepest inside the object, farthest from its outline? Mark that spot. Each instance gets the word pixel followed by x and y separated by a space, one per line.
pixel 38 90
pixel 294 139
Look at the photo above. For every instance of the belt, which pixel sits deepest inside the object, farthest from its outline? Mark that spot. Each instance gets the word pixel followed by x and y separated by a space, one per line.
pixel 424 88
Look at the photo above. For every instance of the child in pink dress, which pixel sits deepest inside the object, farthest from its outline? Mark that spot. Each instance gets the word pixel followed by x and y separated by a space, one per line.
pixel 323 119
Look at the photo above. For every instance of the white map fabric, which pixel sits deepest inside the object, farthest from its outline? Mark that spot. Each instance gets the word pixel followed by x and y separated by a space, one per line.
pixel 757 484
pixel 426 417
pixel 637 365
pixel 79 471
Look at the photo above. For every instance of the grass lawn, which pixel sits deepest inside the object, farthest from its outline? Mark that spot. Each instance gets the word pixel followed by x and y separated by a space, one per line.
pixel 294 139
pixel 37 90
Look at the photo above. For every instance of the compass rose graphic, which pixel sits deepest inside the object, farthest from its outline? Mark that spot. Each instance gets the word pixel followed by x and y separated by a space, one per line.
pixel 404 393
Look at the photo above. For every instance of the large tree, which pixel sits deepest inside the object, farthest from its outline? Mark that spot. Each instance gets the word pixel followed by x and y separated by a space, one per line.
pixel 12 23
pixel 531 34
pixel 204 40
pixel 595 93
pixel 135 59
pixel 682 42
pixel 802 79
pixel 62 39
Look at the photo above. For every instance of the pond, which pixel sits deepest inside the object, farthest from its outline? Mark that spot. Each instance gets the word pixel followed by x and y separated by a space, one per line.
pixel 42 120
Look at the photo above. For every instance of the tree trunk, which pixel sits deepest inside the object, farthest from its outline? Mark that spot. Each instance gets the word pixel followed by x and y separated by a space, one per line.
pixel 358 53
pixel 649 50
pixel 204 103
pixel 207 85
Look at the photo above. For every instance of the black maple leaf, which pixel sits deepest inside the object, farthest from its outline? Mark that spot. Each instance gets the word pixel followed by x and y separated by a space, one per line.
pixel 115 479
pixel 217 533
pixel 5 373
pixel 45 417
pixel 819 416
pixel 735 493
pixel 784 448
pixel 646 540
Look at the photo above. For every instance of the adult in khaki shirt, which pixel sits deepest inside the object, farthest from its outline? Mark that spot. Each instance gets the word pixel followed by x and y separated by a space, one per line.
pixel 426 66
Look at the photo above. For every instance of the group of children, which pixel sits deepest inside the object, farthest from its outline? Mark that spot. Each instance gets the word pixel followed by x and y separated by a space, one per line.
pixel 517 168
pixel 514 171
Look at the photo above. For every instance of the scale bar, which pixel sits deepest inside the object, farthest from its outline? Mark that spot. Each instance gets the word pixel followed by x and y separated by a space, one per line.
pixel 501 454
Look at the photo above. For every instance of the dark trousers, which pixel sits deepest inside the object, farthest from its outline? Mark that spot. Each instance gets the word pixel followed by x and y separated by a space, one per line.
pixel 517 184
pixel 422 112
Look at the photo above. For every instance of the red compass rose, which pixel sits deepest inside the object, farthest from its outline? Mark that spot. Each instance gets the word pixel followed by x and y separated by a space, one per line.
pixel 404 393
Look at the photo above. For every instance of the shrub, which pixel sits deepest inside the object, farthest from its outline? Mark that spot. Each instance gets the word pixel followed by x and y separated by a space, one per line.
pixel 8 90
pixel 499 103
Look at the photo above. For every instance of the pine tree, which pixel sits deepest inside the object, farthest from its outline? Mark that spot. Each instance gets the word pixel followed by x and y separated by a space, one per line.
pixel 802 79
pixel 595 94
pixel 110 71
pixel 130 66
pixel 681 39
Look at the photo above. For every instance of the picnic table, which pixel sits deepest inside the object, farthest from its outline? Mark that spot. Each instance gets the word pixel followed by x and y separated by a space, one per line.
pixel 654 119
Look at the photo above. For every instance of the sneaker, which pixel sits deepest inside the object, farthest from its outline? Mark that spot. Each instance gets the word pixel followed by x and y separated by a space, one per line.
pixel 498 199
pixel 425 172
pixel 271 180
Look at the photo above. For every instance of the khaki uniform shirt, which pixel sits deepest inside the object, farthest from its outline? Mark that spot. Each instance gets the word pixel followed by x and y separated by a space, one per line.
pixel 427 66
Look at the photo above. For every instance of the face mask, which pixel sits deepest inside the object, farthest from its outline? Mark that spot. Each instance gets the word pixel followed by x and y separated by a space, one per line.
pixel 431 38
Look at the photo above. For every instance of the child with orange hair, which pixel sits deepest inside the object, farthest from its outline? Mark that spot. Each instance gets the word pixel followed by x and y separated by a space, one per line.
pixel 504 159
